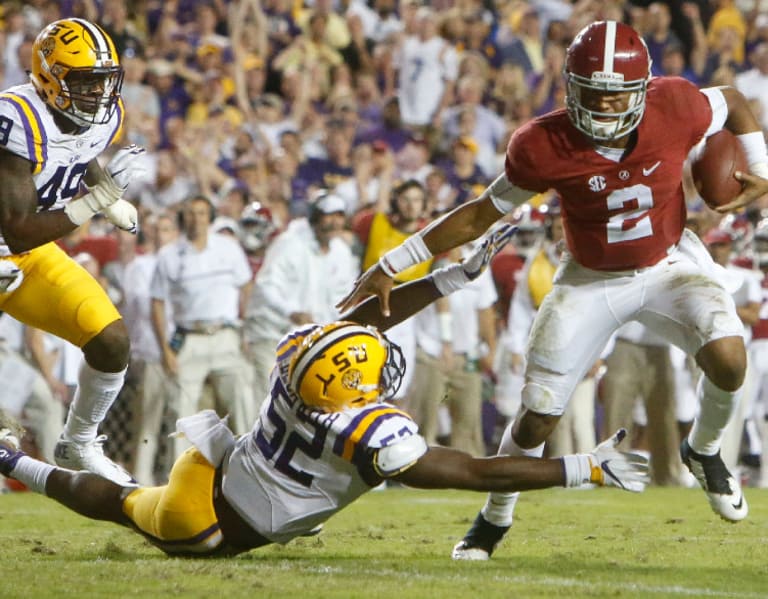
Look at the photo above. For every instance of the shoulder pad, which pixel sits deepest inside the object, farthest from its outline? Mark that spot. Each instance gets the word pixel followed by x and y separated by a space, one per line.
pixel 398 457
pixel 21 129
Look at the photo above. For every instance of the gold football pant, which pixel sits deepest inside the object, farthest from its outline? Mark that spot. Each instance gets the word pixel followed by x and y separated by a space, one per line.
pixel 59 296
pixel 179 517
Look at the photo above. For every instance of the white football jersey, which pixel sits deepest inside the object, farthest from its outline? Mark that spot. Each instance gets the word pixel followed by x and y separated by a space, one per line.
pixel 59 160
pixel 299 466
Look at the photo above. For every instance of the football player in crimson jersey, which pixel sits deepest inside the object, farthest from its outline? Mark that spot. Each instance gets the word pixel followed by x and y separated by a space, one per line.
pixel 615 157
pixel 51 131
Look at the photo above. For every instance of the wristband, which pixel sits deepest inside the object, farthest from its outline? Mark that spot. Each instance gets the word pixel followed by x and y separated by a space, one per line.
pixel 450 278
pixel 579 470
pixel 755 151
pixel 445 320
pixel 409 253
pixel 82 209
pixel 759 169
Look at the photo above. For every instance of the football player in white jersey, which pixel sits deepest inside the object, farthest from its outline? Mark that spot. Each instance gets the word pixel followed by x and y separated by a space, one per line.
pixel 51 131
pixel 325 436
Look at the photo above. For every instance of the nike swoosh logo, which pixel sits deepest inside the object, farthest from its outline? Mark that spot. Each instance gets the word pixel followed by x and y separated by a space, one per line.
pixel 95 143
pixel 607 470
pixel 741 502
pixel 648 171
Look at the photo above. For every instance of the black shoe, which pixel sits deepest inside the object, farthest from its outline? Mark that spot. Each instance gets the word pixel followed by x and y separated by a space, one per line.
pixel 722 489
pixel 480 541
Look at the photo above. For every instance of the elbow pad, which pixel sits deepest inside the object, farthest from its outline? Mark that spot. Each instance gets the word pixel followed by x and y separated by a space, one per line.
pixel 398 457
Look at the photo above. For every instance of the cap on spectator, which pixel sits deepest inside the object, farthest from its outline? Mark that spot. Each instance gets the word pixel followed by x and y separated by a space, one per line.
pixel 468 143
pixel 224 224
pixel 717 236
pixel 329 203
pixel 160 67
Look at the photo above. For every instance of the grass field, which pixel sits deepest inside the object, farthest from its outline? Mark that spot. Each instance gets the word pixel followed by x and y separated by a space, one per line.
pixel 395 544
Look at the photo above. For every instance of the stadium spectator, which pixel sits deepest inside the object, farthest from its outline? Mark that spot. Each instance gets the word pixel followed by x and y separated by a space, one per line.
pixel 427 70
pixel 205 278
pixel 565 341
pixel 306 269
pixel 754 82
pixel 280 486
pixel 658 34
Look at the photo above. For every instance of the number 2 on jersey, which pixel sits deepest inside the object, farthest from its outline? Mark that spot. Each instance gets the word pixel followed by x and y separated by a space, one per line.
pixel 631 223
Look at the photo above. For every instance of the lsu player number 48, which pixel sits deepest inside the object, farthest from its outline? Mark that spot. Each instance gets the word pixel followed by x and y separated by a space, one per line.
pixel 51 132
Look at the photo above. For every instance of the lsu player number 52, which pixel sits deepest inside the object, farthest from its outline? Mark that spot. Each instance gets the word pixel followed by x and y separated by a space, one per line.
pixel 51 132
pixel 326 434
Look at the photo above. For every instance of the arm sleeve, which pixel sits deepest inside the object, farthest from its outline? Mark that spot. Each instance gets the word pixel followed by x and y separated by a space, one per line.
pixel 719 109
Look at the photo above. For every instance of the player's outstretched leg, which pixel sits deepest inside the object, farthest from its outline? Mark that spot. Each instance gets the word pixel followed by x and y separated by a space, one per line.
pixel 722 489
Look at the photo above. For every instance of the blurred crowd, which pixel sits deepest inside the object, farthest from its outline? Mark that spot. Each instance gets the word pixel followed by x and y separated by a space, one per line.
pixel 302 141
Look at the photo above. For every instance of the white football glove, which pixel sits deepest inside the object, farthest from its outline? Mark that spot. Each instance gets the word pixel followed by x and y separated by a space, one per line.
pixel 119 172
pixel 455 276
pixel 486 247
pixel 123 215
pixel 628 471
pixel 125 166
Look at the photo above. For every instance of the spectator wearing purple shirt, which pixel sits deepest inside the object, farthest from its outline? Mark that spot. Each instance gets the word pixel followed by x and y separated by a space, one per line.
pixel 391 130
pixel 326 172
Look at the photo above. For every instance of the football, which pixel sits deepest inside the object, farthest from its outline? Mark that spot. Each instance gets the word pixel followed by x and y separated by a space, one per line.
pixel 713 169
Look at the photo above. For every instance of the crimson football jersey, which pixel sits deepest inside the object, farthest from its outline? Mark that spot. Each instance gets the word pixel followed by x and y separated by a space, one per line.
pixel 616 215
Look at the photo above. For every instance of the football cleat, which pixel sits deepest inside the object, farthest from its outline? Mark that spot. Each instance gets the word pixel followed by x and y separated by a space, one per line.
pixel 722 489
pixel 90 456
pixel 480 541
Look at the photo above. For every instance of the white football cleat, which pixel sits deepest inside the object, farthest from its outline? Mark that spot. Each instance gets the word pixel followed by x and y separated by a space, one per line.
pixel 480 541
pixel 462 551
pixel 90 456
pixel 723 490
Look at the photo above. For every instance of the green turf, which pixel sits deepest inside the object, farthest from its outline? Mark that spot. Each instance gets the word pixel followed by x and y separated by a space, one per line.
pixel 395 544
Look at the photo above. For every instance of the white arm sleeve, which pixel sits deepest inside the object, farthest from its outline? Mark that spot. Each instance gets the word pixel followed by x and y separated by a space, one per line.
pixel 505 195
pixel 396 458
pixel 719 109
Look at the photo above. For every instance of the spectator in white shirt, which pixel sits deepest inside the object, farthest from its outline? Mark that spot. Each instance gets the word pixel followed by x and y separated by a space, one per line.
pixel 306 270
pixel 206 279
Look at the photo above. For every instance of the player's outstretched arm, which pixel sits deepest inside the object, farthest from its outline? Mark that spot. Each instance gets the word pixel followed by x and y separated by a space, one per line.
pixel 411 297
pixel 445 468
pixel 463 224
